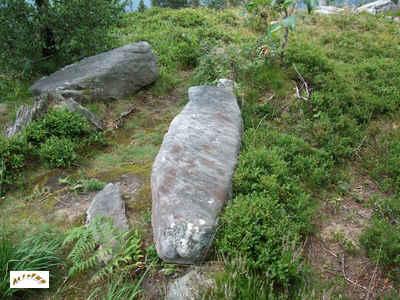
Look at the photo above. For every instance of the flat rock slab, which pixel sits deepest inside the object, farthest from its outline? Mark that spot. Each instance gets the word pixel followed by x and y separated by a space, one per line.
pixel 192 174
pixel 108 203
pixel 113 74
pixel 191 286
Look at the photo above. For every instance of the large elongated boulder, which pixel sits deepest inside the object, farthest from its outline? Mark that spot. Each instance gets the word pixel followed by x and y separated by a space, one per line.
pixel 192 173
pixel 113 74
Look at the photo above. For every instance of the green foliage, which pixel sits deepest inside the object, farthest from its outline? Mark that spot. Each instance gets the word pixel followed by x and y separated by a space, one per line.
pixel 13 154
pixel 57 152
pixel 102 247
pixel 354 75
pixel 238 281
pixel 118 290
pixel 43 35
pixel 381 239
pixel 385 163
pixel 56 140
pixel 60 124
pixel 180 37
pixel 39 251
pixel 271 212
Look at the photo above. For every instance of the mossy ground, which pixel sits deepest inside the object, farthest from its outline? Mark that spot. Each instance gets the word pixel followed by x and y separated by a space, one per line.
pixel 331 153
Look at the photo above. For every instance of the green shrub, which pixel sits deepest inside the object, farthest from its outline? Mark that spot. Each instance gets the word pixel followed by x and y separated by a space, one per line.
pixel 354 76
pixel 43 35
pixel 386 168
pixel 56 140
pixel 266 221
pixel 260 229
pixel 39 251
pixel 13 158
pixel 61 124
pixel 57 152
pixel 381 239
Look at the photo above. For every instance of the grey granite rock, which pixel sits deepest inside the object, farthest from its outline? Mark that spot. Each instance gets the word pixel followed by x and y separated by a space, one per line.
pixel 379 6
pixel 74 106
pixel 108 203
pixel 191 286
pixel 113 74
pixel 192 173
pixel 329 10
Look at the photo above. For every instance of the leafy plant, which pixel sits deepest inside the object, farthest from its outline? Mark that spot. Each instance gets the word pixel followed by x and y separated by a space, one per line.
pixel 283 13
pixel 103 248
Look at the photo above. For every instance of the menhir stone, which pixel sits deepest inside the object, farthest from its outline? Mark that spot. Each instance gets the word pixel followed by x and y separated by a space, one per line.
pixel 113 74
pixel 192 174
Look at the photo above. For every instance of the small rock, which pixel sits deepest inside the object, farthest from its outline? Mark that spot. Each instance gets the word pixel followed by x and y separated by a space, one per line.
pixel 74 106
pixel 227 84
pixel 191 286
pixel 108 203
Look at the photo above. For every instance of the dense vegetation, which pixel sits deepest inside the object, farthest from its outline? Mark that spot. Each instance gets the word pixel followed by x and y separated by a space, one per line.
pixel 54 140
pixel 295 151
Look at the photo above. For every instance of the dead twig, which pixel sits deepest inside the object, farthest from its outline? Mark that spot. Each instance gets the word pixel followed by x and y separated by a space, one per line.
pixel 304 86
pixel 350 280
pixel 120 121
pixel 372 282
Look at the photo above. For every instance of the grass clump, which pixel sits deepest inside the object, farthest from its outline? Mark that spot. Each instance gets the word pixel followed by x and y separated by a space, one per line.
pixel 40 251
pixel 83 185
pixel 382 238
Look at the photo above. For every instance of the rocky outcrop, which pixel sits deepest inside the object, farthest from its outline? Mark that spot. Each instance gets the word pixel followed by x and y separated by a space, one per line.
pixel 192 173
pixel 108 203
pixel 329 10
pixel 113 74
pixel 191 286
pixel 379 6
pixel 27 113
